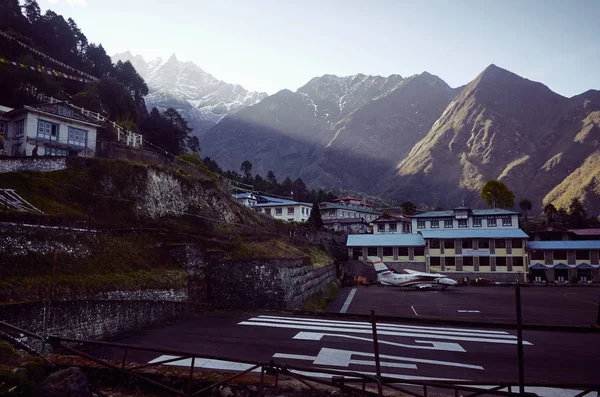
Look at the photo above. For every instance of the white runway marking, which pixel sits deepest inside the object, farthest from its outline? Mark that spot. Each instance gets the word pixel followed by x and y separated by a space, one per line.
pixel 414 333
pixel 468 311
pixel 579 299
pixel 348 300
pixel 343 358
pixel 443 346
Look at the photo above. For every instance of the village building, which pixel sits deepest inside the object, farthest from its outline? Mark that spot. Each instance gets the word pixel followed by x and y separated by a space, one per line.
pixel 282 209
pixel 558 255
pixel 347 214
pixel 247 199
pixel 52 129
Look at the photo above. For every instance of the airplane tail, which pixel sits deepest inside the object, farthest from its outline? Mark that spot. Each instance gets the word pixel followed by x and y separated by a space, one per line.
pixel 380 267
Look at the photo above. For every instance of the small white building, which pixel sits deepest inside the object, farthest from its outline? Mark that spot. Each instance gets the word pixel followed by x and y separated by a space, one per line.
pixel 247 199
pixel 56 129
pixel 285 210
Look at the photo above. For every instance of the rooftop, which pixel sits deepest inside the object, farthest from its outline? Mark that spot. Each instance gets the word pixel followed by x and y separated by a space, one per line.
pixel 347 207
pixel 586 232
pixel 385 240
pixel 474 233
pixel 243 196
pixel 344 220
pixel 266 201
pixel 565 245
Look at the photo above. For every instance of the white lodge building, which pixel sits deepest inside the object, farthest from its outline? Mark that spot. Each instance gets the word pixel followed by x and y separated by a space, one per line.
pixel 57 129
pixel 462 242
pixel 483 242
pixel 283 209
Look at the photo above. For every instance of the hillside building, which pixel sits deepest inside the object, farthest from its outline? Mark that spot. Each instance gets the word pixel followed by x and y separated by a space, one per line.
pixel 282 209
pixel 347 214
pixel 55 129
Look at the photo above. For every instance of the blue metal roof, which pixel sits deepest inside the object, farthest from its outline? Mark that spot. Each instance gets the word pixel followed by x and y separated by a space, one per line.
pixel 481 212
pixel 538 266
pixel 244 195
pixel 266 201
pixel 565 245
pixel 385 240
pixel 584 266
pixel 562 266
pixel 474 233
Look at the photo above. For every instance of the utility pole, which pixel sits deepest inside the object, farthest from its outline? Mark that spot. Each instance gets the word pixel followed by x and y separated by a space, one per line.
pixel 47 311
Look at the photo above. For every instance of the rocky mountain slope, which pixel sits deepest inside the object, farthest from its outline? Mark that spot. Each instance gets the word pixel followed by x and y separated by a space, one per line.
pixel 198 96
pixel 504 127
pixel 327 128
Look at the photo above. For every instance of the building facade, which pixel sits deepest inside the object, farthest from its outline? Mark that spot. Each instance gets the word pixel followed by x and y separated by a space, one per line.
pixel 283 209
pixel 472 243
pixel 400 250
pixel 387 224
pixel 55 129
pixel 247 199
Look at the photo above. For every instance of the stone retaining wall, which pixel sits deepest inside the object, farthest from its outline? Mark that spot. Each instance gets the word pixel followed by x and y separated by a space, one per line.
pixel 37 164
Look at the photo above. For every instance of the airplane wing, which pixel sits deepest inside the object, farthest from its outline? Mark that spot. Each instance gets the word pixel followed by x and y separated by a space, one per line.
pixel 421 274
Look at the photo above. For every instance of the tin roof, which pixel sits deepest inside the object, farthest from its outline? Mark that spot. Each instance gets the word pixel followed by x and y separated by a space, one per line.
pixel 244 195
pixel 326 205
pixel 565 245
pixel 385 240
pixel 474 233
pixel 586 232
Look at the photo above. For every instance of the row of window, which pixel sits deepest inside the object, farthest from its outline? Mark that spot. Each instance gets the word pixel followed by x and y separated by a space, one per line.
pixel 469 261
pixel 393 227
pixel 402 251
pixel 468 243
pixel 449 223
pixel 50 131
pixel 279 211
pixel 561 255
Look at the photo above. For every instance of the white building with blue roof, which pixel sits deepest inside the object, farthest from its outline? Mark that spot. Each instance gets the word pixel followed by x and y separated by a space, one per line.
pixel 283 209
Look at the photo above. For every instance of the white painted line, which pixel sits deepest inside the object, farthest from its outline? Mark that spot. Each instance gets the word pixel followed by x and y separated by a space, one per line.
pixel 348 300
pixel 540 391
pixel 412 327
pixel 579 299
pixel 468 311
pixel 443 346
pixel 415 334
pixel 414 311
pixel 233 366
pixel 341 364
pixel 344 327
pixel 343 358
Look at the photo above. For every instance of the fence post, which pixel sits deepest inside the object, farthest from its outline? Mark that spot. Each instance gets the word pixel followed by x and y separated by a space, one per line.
pixel 598 318
pixel 375 343
pixel 520 340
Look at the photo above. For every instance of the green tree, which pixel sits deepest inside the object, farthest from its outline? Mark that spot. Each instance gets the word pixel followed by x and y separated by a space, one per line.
pixel 497 195
pixel 193 144
pixel 525 206
pixel 577 214
pixel 246 168
pixel 271 178
pixel 408 208
pixel 549 211
pixel 314 219
pixel 300 190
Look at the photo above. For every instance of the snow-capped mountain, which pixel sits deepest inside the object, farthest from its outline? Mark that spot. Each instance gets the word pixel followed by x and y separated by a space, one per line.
pixel 199 97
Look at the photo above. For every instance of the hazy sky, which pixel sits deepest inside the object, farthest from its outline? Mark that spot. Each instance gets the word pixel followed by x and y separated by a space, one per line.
pixel 268 45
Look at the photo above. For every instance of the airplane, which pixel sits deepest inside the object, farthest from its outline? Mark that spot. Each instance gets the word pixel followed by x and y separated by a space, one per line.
pixel 413 278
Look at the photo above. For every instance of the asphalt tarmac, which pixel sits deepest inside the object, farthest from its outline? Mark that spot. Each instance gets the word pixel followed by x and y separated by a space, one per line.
pixel 569 306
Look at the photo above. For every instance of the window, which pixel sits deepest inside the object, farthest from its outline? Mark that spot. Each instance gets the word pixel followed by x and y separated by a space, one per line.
pixel 476 222
pixel 420 224
pixel 434 244
pixel 484 261
pixel 484 244
pixel 51 151
pixel 448 244
pixel 537 255
pixel 77 137
pixel 434 261
pixel 500 261
pixel 290 211
pixel 467 261
pixel 517 243
pixel 278 211
pixel 507 221
pixel 268 211
pixel 450 261
pixel 491 222
pixel 372 251
pixel 500 243
pixel 380 227
pixel 402 251
pixel 388 251
pixel 302 210
pixel 517 261
pixel 462 223
pixel 19 129
pixel 448 223
pixel 435 224
pixel 393 227
pixel 47 130
pixel 582 255
pixel 290 219
pixel 65 111
pixel 559 255
pixel 419 251
pixel 3 128
pixel 468 243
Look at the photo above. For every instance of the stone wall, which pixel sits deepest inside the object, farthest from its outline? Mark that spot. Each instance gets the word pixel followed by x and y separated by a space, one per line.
pixel 114 150
pixel 266 284
pixel 38 164
pixel 91 319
